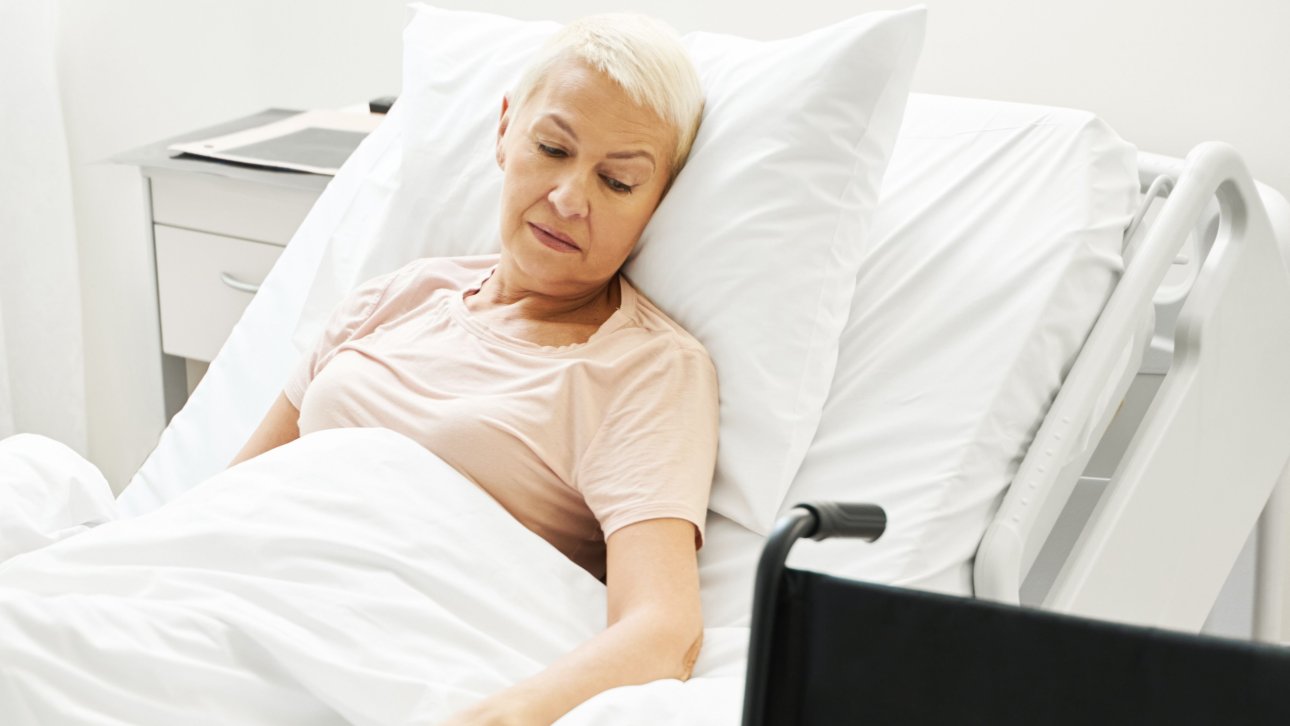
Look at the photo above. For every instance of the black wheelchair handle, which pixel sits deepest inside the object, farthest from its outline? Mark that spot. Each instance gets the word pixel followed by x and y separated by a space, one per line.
pixel 817 520
pixel 843 519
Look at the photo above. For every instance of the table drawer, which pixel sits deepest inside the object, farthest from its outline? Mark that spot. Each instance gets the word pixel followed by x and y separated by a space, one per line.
pixel 232 207
pixel 204 282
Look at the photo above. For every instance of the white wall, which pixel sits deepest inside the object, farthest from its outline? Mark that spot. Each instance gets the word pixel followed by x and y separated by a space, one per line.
pixel 1166 75
pixel 42 373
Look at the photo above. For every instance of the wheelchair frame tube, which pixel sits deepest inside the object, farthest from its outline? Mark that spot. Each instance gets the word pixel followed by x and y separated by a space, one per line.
pixel 815 520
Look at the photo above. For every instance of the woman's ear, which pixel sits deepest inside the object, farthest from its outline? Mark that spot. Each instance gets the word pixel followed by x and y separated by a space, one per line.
pixel 503 122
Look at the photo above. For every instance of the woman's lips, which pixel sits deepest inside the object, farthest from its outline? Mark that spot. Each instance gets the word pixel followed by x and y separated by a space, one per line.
pixel 553 239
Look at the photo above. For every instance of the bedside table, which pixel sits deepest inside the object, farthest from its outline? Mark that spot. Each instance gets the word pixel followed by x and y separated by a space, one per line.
pixel 216 228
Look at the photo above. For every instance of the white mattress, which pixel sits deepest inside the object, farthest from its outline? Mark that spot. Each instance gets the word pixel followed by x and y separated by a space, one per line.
pixel 996 243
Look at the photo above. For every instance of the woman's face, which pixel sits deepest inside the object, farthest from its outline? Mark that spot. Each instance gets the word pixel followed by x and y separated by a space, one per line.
pixel 585 168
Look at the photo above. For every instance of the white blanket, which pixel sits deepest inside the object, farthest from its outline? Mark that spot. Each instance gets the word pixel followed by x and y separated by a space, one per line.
pixel 348 577
pixel 47 493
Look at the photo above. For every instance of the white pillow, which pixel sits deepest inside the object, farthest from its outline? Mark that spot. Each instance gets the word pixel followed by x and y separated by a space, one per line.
pixel 754 250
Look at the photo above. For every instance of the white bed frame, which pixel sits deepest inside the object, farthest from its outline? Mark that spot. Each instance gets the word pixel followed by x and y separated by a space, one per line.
pixel 1203 457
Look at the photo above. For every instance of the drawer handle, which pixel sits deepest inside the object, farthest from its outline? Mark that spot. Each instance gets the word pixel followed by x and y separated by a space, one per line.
pixel 237 284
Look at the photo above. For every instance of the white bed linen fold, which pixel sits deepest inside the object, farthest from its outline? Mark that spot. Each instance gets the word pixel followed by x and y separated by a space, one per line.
pixel 48 492
pixel 347 577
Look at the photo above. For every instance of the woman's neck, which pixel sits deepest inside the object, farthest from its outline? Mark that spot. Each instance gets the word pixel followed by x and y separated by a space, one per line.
pixel 505 294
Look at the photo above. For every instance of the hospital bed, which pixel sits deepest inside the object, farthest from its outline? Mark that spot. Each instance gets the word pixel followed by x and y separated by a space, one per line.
pixel 992 340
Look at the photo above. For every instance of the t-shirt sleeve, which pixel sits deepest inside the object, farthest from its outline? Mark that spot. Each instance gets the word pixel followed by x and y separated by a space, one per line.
pixel 655 452
pixel 348 321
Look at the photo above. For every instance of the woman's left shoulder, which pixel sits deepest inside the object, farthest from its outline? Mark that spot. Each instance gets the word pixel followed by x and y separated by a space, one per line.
pixel 668 337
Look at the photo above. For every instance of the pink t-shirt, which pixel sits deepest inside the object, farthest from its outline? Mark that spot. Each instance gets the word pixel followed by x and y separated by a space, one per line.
pixel 574 441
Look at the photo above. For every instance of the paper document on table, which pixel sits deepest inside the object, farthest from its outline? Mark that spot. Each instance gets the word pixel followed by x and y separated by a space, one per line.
pixel 317 142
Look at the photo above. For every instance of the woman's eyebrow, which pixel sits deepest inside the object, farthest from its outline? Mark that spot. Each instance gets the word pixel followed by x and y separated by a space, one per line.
pixel 638 153
pixel 555 118
pixel 641 153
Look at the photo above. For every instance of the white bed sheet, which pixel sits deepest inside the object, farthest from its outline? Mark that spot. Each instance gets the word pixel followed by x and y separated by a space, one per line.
pixel 348 577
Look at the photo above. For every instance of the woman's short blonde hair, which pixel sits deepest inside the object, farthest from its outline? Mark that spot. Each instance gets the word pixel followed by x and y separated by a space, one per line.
pixel 642 55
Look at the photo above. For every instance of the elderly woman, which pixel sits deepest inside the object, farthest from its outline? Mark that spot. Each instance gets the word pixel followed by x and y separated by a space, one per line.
pixel 540 373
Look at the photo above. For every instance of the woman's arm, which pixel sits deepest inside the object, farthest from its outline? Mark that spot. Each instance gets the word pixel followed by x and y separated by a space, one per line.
pixel 655 629
pixel 280 425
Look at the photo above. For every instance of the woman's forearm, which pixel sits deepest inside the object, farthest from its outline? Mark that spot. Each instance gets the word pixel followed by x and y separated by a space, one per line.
pixel 280 425
pixel 637 649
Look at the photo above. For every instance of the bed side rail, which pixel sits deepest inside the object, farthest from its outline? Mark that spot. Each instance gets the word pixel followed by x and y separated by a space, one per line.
pixel 1201 466
pixel 1217 418
pixel 1081 412
pixel 1272 571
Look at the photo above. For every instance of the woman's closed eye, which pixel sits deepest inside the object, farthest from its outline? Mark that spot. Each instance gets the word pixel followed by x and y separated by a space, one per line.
pixel 553 151
pixel 616 185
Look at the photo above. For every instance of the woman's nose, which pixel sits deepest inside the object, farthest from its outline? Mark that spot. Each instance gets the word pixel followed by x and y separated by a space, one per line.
pixel 569 197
